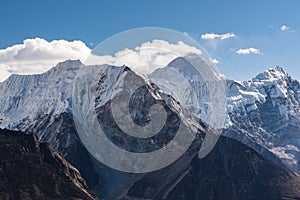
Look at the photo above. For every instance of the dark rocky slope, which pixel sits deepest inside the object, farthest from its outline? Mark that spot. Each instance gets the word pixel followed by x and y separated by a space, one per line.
pixel 234 171
pixel 33 170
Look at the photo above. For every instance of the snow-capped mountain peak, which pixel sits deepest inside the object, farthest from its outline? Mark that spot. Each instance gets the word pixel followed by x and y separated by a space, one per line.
pixel 266 111
pixel 245 95
pixel 67 65
pixel 272 74
pixel 27 97
pixel 263 113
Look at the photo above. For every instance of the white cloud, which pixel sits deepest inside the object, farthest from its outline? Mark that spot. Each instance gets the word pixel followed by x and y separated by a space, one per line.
pixel 213 60
pixel 285 28
pixel 248 51
pixel 4 74
pixel 147 57
pixel 212 36
pixel 38 55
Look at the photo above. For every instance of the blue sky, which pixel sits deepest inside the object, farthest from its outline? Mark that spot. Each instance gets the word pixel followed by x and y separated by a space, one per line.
pixel 255 24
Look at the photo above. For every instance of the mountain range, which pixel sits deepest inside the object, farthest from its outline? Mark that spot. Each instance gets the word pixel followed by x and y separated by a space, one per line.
pixel 255 158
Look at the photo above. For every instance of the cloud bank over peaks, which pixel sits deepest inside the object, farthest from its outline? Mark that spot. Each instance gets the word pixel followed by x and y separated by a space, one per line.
pixel 147 57
pixel 37 55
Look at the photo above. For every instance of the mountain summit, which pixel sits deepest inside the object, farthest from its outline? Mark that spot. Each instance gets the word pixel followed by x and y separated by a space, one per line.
pixel 265 113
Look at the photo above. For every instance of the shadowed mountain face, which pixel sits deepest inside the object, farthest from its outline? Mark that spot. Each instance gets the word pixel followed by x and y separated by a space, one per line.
pixel 231 171
pixel 234 171
pixel 33 170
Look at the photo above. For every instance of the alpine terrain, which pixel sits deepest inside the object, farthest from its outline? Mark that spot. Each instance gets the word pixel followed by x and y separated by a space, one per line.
pixel 256 158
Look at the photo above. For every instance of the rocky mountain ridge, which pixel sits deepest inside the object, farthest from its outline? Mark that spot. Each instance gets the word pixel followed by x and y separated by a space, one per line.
pixel 264 113
pixel 42 104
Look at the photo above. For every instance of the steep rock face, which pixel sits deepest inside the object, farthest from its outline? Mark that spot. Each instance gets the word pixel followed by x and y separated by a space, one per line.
pixel 264 113
pixel 24 99
pixel 41 105
pixel 33 170
pixel 45 109
pixel 117 183
pixel 62 135
pixel 232 170
pixel 193 82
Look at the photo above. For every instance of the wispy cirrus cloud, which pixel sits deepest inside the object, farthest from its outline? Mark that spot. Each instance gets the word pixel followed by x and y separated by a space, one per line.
pixel 246 51
pixel 213 36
